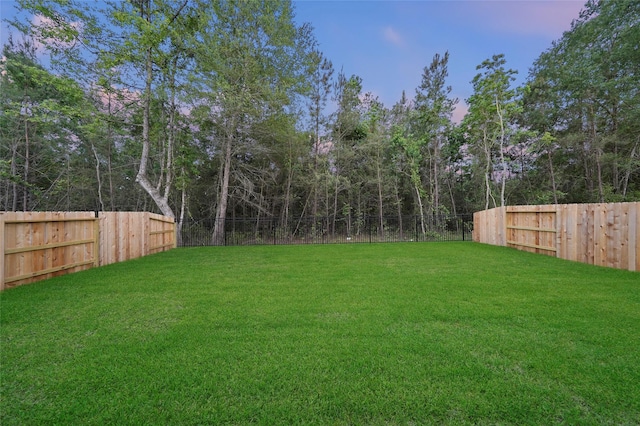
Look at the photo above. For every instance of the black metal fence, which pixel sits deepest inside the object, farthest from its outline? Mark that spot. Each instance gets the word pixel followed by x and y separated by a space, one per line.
pixel 324 230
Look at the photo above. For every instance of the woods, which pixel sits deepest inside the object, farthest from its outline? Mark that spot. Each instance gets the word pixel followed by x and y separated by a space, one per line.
pixel 230 109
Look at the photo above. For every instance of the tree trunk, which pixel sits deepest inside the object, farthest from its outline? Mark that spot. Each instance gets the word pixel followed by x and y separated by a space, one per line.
pixel 597 153
pixel 183 205
pixel 335 203
pixel 417 189
pixel 487 170
pixel 503 177
pixel 287 191
pixel 380 198
pixel 98 177
pixel 109 154
pixel 25 185
pixel 14 174
pixel 399 209
pixel 553 179
pixel 487 180
pixel 142 178
pixel 629 170
pixel 453 199
pixel 436 173
pixel 314 182
pixel 221 211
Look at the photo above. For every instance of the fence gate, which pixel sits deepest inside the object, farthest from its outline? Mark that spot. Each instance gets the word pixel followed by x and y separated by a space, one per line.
pixel 532 228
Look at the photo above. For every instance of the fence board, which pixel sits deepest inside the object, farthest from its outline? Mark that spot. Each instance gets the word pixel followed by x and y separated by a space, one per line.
pixel 532 229
pixel 598 234
pixel 34 249
pixel 161 233
pixel 39 245
pixel 128 235
pixel 2 249
pixel 634 236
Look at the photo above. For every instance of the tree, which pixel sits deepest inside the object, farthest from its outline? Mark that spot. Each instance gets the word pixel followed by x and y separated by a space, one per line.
pixel 41 113
pixel 140 52
pixel 491 109
pixel 434 108
pixel 583 91
pixel 322 72
pixel 152 32
pixel 376 148
pixel 346 134
pixel 251 62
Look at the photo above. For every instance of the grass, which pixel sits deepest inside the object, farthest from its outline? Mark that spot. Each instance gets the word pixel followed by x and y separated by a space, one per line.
pixel 440 333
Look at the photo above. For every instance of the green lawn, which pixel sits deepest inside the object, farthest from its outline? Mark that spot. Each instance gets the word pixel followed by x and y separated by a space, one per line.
pixel 422 333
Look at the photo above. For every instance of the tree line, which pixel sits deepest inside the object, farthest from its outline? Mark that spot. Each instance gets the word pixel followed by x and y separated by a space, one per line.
pixel 229 108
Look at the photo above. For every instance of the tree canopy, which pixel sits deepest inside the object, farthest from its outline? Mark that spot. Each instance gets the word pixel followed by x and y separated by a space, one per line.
pixel 228 109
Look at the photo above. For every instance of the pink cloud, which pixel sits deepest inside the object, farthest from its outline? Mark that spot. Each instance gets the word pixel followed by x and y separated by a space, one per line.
pixel 531 17
pixel 459 112
pixel 47 25
pixel 118 100
pixel 392 36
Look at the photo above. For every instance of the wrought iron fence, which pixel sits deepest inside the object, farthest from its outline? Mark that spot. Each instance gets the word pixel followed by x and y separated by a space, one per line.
pixel 326 230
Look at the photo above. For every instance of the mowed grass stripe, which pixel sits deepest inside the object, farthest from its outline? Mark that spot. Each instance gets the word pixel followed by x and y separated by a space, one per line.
pixel 454 333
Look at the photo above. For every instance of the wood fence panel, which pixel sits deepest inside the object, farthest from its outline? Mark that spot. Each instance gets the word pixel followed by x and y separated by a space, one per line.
pixel 489 226
pixel 129 235
pixel 125 231
pixel 122 227
pixel 532 229
pixel 2 245
pixel 161 233
pixel 39 245
pixel 568 236
pixel 107 239
pixel 598 234
pixel 614 236
pixel 625 262
pixel 634 236
pixel 585 236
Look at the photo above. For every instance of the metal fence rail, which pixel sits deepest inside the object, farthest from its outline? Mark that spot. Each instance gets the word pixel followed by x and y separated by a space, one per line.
pixel 324 230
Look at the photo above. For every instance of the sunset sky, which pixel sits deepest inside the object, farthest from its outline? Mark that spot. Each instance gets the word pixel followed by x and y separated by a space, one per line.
pixel 388 43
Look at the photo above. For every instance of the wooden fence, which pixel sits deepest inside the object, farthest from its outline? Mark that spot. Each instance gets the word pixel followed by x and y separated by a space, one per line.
pixel 598 234
pixel 39 245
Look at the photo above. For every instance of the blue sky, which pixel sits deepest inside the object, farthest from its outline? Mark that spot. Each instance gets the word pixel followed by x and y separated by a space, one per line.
pixel 388 43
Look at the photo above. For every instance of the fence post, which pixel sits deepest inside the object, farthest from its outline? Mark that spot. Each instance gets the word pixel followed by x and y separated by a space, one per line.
pixel 175 232
pixel 96 240
pixel 2 234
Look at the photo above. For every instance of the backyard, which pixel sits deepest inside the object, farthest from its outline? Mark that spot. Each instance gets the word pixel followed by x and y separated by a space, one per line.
pixel 402 333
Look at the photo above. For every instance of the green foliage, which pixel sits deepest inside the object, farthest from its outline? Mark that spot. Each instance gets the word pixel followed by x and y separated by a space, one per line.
pixel 41 122
pixel 583 90
pixel 192 97
pixel 492 109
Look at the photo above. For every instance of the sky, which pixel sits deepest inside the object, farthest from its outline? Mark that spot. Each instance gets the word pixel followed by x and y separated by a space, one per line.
pixel 388 43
